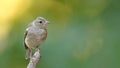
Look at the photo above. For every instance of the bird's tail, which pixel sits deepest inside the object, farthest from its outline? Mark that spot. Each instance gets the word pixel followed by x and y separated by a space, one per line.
pixel 28 53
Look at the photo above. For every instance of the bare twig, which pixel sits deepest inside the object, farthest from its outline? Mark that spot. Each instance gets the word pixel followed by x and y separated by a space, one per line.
pixel 34 60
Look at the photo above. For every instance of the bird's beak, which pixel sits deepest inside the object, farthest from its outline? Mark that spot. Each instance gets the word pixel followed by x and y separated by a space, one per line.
pixel 47 22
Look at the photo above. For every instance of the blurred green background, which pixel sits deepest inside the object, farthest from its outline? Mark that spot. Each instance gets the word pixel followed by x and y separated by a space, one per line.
pixel 82 33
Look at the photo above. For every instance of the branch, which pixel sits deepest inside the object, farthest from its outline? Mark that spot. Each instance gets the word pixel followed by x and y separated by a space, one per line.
pixel 34 60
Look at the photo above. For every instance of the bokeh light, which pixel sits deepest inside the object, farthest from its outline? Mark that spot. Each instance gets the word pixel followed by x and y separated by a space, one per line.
pixel 81 33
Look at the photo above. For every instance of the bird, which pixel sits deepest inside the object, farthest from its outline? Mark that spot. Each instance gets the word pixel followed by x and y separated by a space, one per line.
pixel 35 34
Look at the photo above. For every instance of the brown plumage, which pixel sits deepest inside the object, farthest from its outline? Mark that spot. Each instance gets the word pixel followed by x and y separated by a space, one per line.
pixel 35 35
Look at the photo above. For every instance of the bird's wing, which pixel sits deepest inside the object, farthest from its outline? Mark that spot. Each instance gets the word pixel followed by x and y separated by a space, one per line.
pixel 25 34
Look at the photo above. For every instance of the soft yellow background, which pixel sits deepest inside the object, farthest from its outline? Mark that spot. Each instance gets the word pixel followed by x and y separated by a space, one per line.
pixel 82 33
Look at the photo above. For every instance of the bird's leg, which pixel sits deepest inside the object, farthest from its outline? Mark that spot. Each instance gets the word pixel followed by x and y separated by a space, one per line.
pixel 31 54
pixel 28 53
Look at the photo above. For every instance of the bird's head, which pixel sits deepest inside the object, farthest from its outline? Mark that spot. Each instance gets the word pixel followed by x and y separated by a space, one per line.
pixel 40 21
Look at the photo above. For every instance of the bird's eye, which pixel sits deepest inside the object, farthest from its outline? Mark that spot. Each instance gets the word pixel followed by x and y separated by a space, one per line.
pixel 40 22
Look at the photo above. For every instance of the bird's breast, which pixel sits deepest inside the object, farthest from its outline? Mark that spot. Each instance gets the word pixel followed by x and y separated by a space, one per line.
pixel 36 37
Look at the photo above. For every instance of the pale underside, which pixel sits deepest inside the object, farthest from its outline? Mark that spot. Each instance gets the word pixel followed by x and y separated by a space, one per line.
pixel 35 37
